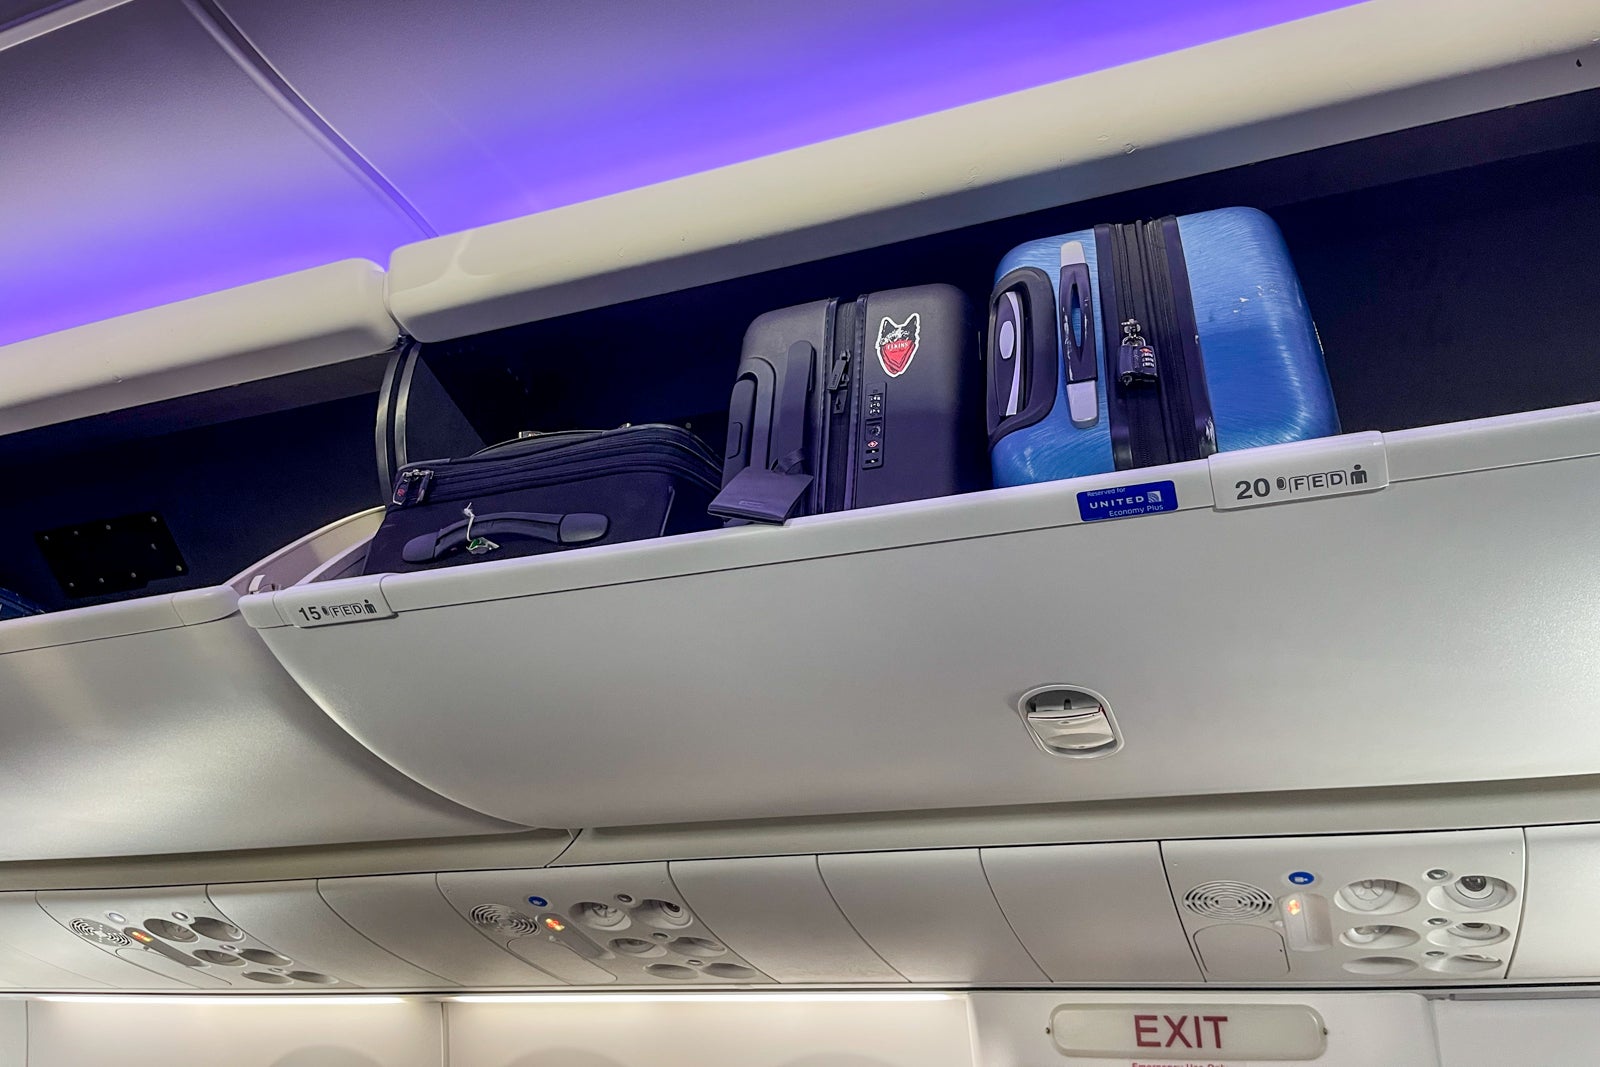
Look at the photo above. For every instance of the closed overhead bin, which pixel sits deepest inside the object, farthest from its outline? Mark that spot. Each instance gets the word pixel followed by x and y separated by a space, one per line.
pixel 298 322
pixel 163 725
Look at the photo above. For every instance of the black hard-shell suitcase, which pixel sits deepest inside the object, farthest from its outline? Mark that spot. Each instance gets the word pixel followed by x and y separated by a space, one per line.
pixel 845 404
pixel 546 493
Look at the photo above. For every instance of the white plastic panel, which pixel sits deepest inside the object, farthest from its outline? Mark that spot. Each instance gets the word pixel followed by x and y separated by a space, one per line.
pixel 597 926
pixel 114 922
pixel 1560 910
pixel 18 970
pixel 146 167
pixel 163 725
pixel 1247 953
pixel 1491 1033
pixel 296 922
pixel 1365 640
pixel 930 915
pixel 1399 908
pixel 627 94
pixel 1093 913
pixel 407 914
pixel 1366 69
pixel 27 928
pixel 779 913
pixel 189 936
pixel 20 919
pixel 753 1031
pixel 293 1033
pixel 13 1034
pixel 307 319
pixel 1364 1030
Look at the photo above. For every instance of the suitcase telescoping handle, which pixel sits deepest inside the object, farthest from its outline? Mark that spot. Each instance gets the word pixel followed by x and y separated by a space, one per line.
pixel 575 528
pixel 763 473
pixel 757 435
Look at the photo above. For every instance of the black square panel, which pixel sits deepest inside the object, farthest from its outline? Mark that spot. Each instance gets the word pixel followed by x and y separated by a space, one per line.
pixel 111 555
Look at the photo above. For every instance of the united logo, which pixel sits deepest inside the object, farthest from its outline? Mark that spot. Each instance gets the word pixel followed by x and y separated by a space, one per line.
pixel 897 343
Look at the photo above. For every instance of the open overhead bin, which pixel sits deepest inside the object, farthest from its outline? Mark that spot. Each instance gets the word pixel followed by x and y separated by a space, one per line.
pixel 1366 610
pixel 163 725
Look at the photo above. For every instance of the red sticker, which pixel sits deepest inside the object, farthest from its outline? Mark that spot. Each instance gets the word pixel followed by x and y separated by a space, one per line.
pixel 897 343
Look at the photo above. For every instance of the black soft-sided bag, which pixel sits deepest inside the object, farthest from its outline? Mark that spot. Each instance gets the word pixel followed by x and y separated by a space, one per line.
pixel 546 493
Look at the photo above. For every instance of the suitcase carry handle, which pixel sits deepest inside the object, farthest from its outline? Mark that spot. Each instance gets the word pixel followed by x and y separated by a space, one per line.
pixel 575 528
pixel 1022 351
pixel 1078 329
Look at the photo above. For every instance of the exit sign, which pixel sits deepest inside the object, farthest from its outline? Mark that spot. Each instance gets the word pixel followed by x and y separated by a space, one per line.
pixel 1188 1033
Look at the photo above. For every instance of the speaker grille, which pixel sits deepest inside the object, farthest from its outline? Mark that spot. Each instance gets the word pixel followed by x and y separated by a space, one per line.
pixel 1228 900
pixel 99 933
pixel 504 919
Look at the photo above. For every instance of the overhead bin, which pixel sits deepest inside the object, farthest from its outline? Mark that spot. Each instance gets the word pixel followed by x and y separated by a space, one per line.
pixel 1367 610
pixel 1359 71
pixel 163 725
pixel 301 321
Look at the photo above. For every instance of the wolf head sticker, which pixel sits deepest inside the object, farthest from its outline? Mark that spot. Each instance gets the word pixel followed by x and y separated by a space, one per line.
pixel 897 343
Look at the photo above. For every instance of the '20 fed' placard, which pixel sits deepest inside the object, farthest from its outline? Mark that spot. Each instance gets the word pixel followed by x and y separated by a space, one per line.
pixel 1306 470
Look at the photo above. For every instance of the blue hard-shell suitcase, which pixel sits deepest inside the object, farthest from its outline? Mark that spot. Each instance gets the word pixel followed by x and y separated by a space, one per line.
pixel 1153 342
pixel 13 606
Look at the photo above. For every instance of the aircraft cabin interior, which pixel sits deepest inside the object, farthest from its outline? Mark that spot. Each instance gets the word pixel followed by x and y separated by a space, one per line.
pixel 894 533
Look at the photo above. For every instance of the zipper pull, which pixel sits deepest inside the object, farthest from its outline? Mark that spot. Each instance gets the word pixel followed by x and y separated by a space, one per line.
pixel 841 363
pixel 411 487
pixel 1136 360
pixel 836 373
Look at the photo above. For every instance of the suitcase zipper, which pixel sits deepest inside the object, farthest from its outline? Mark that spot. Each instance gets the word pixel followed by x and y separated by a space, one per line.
pixel 1158 401
pixel 529 476
pixel 833 494
pixel 1193 419
pixel 1138 436
pixel 547 467
pixel 836 375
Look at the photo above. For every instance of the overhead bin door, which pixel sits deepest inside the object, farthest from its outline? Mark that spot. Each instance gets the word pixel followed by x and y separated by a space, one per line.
pixel 878 660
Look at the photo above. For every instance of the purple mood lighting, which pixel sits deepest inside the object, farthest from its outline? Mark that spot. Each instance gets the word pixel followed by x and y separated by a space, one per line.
pixel 145 167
